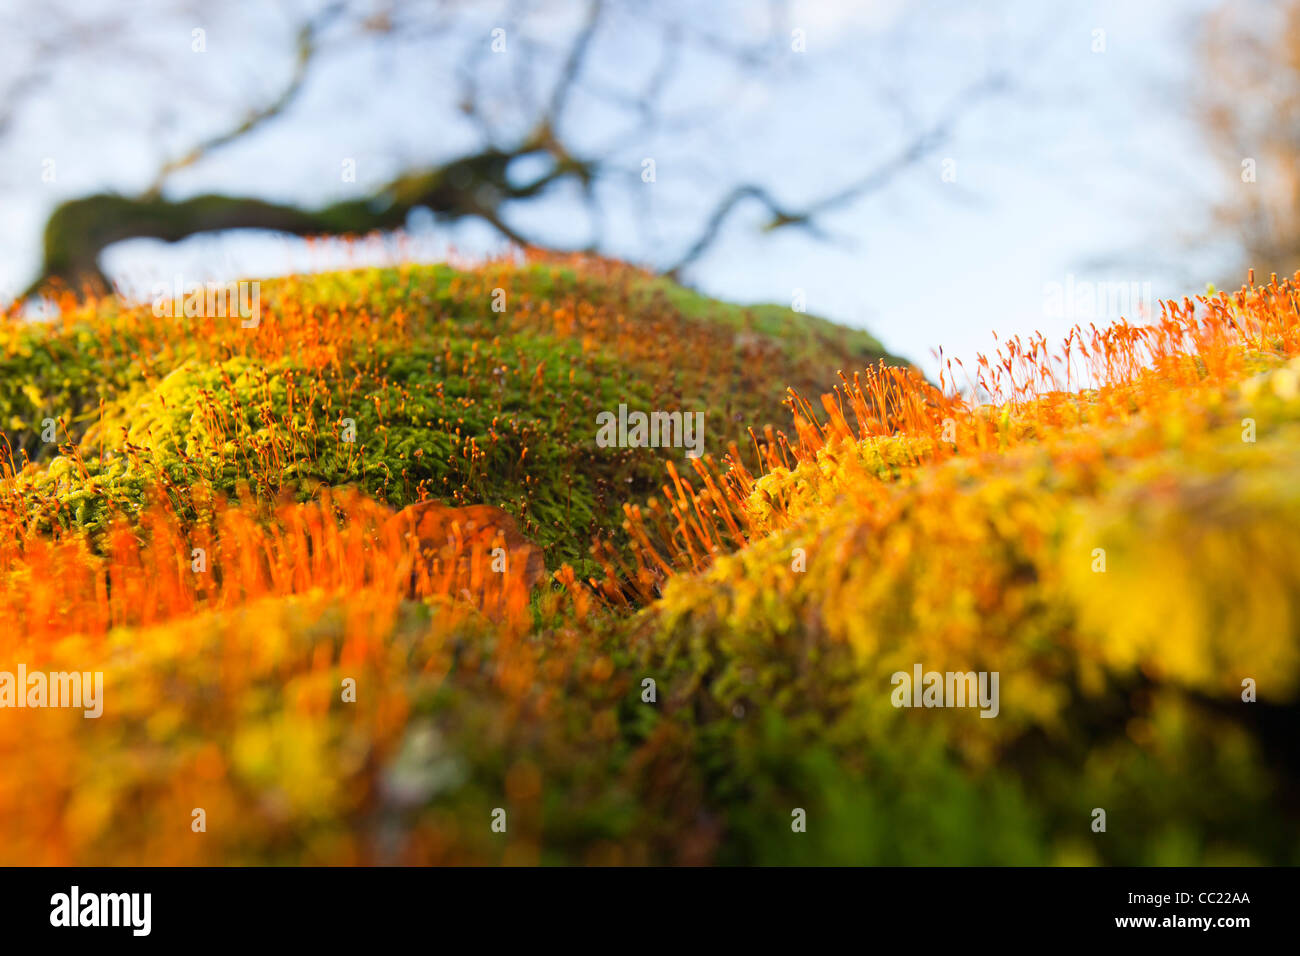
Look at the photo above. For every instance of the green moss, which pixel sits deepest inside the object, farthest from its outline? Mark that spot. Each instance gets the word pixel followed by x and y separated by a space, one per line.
pixel 442 395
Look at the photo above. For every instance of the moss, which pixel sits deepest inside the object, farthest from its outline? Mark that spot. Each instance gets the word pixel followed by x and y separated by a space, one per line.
pixel 1120 686
pixel 443 396
pixel 1118 690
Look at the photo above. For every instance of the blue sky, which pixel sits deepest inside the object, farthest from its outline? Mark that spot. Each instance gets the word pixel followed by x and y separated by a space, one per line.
pixel 1089 169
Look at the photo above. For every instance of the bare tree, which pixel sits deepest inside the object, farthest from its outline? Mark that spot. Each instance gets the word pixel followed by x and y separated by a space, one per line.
pixel 1249 105
pixel 480 183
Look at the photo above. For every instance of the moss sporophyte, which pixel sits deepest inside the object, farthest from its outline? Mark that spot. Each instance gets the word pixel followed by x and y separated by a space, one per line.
pixel 212 517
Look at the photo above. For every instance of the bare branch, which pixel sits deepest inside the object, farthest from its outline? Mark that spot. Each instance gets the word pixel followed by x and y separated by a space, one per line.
pixel 572 66
pixel 916 149
pixel 474 186
pixel 306 51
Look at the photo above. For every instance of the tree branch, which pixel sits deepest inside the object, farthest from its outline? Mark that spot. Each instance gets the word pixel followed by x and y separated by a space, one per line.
pixel 916 149
pixel 472 186
pixel 306 51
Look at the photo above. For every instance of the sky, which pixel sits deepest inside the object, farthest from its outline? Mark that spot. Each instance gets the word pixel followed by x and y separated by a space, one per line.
pixel 1087 173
